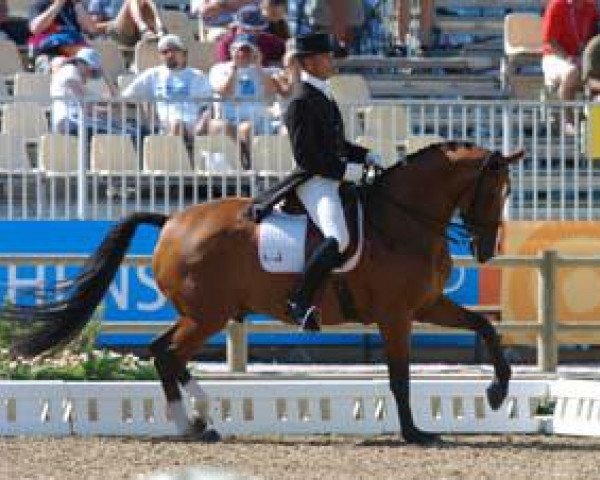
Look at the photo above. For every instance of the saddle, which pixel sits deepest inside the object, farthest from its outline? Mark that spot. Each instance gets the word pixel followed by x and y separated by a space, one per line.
pixel 287 236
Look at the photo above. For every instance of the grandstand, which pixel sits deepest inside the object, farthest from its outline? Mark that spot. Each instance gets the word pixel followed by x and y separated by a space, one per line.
pixel 465 88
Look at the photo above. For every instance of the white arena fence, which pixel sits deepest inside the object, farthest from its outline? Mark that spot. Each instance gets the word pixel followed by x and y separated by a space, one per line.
pixel 299 406
pixel 49 175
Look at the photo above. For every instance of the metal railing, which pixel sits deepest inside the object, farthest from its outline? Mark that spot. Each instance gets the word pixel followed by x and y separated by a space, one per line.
pixel 547 328
pixel 60 176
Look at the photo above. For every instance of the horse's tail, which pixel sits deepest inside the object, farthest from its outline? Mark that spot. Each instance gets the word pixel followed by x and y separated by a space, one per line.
pixel 38 328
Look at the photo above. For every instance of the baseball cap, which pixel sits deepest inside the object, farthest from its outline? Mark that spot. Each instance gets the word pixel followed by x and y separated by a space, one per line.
pixel 170 41
pixel 90 57
pixel 251 18
pixel 244 39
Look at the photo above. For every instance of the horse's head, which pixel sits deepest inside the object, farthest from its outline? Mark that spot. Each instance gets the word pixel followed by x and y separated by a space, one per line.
pixel 481 207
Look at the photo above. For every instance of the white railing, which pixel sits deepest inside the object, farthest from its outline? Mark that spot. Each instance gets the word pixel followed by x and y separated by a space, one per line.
pixel 266 406
pixel 45 176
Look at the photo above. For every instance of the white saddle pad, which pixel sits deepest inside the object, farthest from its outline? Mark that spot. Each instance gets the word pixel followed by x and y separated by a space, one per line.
pixel 282 243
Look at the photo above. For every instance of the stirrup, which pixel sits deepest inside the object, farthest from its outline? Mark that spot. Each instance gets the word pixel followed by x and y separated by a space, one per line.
pixel 306 318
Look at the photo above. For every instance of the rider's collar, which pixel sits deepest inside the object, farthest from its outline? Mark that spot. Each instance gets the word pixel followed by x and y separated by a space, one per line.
pixel 321 85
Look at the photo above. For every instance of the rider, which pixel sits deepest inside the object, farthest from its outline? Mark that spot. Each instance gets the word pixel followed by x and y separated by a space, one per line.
pixel 316 132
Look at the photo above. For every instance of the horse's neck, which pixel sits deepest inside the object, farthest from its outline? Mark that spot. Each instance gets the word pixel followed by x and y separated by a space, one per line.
pixel 420 196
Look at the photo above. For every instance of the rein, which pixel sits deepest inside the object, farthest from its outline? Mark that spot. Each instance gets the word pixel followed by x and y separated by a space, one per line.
pixel 464 228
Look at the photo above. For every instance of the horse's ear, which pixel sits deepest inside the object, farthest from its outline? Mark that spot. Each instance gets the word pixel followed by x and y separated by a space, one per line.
pixel 515 157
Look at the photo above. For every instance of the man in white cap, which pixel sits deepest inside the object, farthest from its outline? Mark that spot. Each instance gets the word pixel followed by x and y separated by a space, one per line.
pixel 69 80
pixel 181 92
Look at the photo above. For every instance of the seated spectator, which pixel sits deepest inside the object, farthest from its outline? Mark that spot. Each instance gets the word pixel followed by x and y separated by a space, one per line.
pixel 426 22
pixel 217 15
pixel 103 10
pixel 57 27
pixel 136 19
pixel 590 67
pixel 69 80
pixel 178 90
pixel 249 20
pixel 246 88
pixel 275 12
pixel 567 27
pixel 14 29
pixel 344 19
pixel 287 80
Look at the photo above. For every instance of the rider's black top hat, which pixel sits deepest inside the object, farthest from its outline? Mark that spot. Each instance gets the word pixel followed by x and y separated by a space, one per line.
pixel 313 44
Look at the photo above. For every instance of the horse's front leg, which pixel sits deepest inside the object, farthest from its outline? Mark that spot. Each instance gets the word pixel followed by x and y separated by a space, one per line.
pixel 171 351
pixel 446 313
pixel 396 337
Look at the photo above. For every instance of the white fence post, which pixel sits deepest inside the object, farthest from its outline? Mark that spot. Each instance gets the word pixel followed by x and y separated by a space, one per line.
pixel 237 347
pixel 547 340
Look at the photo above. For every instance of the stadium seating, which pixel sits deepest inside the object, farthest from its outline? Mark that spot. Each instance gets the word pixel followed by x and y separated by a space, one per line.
pixel 113 62
pixel 201 55
pixel 58 155
pixel 386 121
pixel 272 155
pixel 216 154
pixel 145 55
pixel 522 47
pixel 37 85
pixel 177 22
pixel 11 59
pixel 25 119
pixel 166 155
pixel 13 156
pixel 113 155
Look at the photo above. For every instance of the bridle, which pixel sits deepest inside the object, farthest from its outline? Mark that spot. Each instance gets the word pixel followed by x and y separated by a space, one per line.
pixel 470 226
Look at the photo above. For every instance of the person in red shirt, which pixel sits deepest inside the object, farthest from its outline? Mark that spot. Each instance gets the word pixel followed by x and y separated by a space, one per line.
pixel 250 20
pixel 567 27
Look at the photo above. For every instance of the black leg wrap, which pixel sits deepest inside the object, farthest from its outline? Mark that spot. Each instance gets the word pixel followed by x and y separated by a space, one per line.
pixel 481 326
pixel 167 379
pixel 401 389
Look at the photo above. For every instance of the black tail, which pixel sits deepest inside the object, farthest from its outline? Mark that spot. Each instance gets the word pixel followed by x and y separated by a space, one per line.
pixel 42 327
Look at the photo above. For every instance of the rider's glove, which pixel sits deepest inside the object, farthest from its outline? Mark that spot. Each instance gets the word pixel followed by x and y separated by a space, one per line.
pixel 354 172
pixel 374 159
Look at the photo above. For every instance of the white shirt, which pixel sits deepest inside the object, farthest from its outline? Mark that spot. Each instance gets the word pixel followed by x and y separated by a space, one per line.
pixel 180 89
pixel 248 88
pixel 67 81
pixel 321 85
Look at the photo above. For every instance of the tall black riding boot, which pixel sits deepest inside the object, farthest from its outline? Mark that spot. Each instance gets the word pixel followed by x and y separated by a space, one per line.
pixel 324 259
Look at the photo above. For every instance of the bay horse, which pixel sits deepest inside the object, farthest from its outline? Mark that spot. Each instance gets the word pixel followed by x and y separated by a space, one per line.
pixel 206 263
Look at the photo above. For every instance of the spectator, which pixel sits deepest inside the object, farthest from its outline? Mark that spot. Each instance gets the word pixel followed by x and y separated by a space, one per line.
pixel 287 80
pixel 590 67
pixel 344 19
pixel 217 15
pixel 567 27
pixel 178 89
pixel 57 27
pixel 14 29
pixel 103 10
pixel 275 12
pixel 427 12
pixel 249 20
pixel 135 20
pixel 70 80
pixel 246 88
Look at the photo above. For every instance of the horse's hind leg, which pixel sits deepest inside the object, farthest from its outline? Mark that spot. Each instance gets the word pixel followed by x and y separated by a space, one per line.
pixel 446 313
pixel 171 351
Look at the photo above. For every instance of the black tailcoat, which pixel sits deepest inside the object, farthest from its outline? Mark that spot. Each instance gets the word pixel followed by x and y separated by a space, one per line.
pixel 316 130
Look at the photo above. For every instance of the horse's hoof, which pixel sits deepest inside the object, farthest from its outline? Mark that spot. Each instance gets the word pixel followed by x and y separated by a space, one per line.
pixel 209 436
pixel 496 394
pixel 415 436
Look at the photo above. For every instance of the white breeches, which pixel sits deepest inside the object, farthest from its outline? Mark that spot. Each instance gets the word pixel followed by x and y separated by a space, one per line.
pixel 320 196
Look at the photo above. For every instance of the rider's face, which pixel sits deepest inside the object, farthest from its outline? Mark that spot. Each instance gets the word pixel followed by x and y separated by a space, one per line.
pixel 319 65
